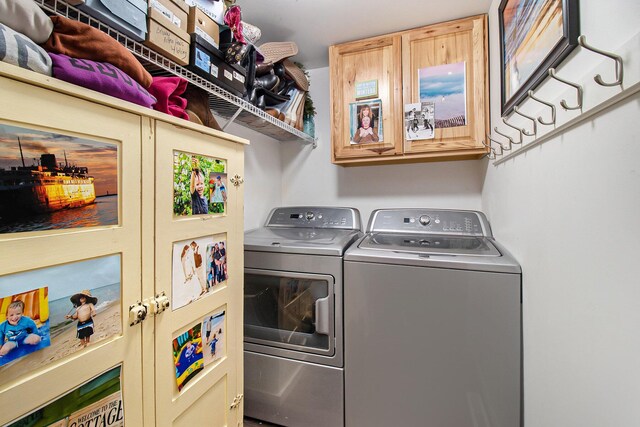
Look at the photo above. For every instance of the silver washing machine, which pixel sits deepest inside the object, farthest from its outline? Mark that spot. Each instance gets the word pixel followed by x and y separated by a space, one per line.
pixel 293 328
pixel 432 323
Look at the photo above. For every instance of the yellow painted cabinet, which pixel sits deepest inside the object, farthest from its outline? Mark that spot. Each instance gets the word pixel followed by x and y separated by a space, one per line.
pixel 442 113
pixel 86 271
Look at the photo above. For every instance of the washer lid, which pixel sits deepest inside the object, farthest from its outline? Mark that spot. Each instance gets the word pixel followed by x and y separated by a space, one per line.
pixel 311 241
pixel 429 244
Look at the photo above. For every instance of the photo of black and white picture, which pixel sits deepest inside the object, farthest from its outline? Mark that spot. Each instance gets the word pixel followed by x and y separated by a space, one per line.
pixel 419 121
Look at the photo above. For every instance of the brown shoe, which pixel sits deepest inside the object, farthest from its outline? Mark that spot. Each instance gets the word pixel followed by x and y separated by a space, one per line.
pixel 198 105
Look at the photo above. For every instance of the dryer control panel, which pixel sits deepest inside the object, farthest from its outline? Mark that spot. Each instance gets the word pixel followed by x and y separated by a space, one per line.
pixel 314 216
pixel 431 221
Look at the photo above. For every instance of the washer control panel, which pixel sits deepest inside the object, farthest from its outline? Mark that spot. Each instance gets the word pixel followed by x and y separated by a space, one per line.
pixel 318 217
pixel 433 221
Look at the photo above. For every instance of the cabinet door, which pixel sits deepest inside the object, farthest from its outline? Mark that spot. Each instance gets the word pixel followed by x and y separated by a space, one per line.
pixel 199 265
pixel 60 245
pixel 376 61
pixel 447 64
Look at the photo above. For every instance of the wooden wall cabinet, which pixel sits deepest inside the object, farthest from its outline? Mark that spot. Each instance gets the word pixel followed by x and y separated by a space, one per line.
pixel 394 60
pixel 143 238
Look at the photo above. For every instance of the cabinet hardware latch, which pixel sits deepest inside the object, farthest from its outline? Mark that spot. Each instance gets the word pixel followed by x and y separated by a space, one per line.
pixel 158 304
pixel 236 401
pixel 137 313
pixel 237 180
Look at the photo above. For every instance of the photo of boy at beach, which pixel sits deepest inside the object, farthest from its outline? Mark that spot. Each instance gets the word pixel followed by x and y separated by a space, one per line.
pixel 24 324
pixel 199 184
pixel 69 323
pixel 187 355
pixel 85 311
pixel 213 342
pixel 366 122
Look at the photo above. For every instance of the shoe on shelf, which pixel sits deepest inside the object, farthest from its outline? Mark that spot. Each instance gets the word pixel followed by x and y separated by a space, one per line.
pixel 198 105
pixel 277 51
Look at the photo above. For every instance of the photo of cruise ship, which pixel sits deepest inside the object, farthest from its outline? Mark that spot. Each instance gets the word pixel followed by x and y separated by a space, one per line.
pixel 41 190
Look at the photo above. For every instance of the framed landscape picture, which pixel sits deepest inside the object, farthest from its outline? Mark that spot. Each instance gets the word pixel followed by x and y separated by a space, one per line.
pixel 535 35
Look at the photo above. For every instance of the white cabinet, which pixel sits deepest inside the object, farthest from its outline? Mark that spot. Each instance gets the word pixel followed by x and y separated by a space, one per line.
pixel 65 255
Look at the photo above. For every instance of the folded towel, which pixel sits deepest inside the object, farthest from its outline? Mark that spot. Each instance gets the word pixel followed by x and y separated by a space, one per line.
pixel 26 17
pixel 79 40
pixel 20 50
pixel 102 77
pixel 167 91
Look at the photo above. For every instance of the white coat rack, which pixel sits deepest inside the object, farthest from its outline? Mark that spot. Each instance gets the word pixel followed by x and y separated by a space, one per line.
pixel 613 78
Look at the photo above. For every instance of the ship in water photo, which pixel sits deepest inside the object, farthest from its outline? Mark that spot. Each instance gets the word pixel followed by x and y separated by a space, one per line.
pixel 53 181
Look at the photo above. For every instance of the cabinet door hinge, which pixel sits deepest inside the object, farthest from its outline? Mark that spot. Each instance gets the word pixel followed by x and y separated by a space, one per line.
pixel 236 401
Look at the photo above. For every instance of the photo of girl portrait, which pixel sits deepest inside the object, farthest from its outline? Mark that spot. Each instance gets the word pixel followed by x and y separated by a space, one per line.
pixel 366 122
pixel 199 184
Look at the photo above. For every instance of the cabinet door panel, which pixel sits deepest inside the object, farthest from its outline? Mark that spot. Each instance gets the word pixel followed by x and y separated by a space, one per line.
pixel 373 59
pixel 456 42
pixel 195 345
pixel 67 256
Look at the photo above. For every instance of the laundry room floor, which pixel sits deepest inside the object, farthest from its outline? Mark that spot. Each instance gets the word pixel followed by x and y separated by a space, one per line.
pixel 250 422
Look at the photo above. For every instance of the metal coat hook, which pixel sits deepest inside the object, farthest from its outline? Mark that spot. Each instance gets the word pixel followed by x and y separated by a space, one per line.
pixel 511 141
pixel 582 41
pixel 491 150
pixel 563 103
pixel 502 147
pixel 533 122
pixel 520 131
pixel 553 109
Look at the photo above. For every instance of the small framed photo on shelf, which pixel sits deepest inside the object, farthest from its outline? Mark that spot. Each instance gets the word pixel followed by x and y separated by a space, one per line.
pixel 365 118
pixel 535 35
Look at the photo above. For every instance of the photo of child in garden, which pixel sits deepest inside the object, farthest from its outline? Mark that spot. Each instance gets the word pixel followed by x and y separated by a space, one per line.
pixel 199 184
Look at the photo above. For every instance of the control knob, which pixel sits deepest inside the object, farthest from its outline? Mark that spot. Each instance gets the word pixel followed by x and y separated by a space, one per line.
pixel 424 219
pixel 310 216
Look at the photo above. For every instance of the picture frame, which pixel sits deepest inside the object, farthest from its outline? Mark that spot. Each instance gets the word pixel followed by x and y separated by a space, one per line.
pixel 541 33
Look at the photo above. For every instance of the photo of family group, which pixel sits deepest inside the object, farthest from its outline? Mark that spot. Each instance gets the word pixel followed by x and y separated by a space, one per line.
pixel 187 355
pixel 214 332
pixel 97 402
pixel 365 118
pixel 419 121
pixel 53 312
pixel 54 181
pixel 199 184
pixel 198 266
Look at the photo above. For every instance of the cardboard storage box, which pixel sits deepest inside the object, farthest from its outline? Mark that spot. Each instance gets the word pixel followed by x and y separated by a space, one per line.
pixel 201 24
pixel 171 42
pixel 207 61
pixel 127 16
pixel 172 12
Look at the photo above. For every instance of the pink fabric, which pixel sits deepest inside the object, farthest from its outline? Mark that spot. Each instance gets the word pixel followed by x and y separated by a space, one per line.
pixel 167 91
pixel 233 19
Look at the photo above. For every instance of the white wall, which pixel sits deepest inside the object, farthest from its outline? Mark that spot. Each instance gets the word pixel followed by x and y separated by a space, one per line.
pixel 309 177
pixel 567 211
pixel 262 175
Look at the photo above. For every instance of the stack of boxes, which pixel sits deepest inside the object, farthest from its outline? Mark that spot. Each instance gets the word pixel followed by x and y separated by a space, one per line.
pixel 206 59
pixel 184 31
